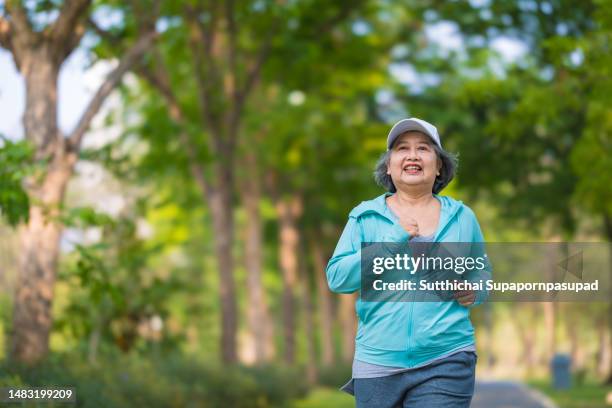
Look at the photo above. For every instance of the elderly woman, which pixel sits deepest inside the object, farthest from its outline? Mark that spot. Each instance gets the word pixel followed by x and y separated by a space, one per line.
pixel 411 354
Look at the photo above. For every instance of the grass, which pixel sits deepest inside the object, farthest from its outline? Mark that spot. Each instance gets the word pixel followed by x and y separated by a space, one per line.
pixel 326 397
pixel 588 395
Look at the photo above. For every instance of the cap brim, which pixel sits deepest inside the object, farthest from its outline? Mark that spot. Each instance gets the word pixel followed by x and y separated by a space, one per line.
pixel 404 126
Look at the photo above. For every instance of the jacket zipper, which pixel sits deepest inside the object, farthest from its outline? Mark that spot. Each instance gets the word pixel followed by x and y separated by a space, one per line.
pixel 411 307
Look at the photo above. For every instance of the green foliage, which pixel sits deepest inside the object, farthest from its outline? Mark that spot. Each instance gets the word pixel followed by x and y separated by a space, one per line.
pixel 15 159
pixel 171 381
pixel 592 156
pixel 526 129
pixel 84 217
pixel 326 397
pixel 334 374
pixel 531 134
pixel 113 293
pixel 590 395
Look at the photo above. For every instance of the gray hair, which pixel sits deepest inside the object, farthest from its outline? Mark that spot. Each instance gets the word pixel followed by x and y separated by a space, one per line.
pixel 447 171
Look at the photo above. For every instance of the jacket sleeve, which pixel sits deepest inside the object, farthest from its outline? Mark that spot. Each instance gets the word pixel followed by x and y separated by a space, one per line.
pixel 344 268
pixel 479 250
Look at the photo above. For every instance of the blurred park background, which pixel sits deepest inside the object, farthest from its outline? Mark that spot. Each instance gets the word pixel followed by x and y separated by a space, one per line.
pixel 174 176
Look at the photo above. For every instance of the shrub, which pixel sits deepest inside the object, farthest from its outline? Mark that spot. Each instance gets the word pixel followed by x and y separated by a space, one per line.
pixel 172 381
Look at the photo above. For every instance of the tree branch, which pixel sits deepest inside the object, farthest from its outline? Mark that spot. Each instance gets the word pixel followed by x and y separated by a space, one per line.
pixel 64 27
pixel 159 80
pixel 159 83
pixel 107 36
pixel 252 76
pixel 113 79
pixel 65 47
pixel 207 31
pixel 22 28
pixel 232 91
pixel 5 34
pixel 345 11
pixel 232 34
pixel 253 73
pixel 146 14
pixel 200 33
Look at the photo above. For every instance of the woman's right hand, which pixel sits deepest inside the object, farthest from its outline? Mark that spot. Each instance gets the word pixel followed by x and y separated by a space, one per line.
pixel 410 225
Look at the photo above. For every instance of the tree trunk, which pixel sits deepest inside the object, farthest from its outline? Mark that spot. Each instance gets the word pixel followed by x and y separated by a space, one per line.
pixel 39 54
pixel 288 210
pixel 603 348
pixel 348 324
pixel 223 227
pixel 573 335
pixel 309 325
pixel 550 329
pixel 550 305
pixel 39 250
pixel 40 72
pixel 258 316
pixel 39 241
pixel 326 311
pixel 94 342
pixel 489 327
pixel 527 336
pixel 40 236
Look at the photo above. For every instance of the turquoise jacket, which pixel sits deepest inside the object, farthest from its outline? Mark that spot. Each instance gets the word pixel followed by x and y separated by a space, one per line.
pixel 402 334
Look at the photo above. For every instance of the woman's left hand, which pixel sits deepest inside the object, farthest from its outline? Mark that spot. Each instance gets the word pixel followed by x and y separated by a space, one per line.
pixel 465 297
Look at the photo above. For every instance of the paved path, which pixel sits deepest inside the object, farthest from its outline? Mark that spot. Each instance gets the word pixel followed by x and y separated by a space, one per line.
pixel 507 394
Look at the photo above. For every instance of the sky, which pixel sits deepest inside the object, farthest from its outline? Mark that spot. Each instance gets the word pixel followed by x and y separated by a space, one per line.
pixel 77 84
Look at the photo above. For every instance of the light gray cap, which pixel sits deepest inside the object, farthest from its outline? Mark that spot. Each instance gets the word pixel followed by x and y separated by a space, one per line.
pixel 406 125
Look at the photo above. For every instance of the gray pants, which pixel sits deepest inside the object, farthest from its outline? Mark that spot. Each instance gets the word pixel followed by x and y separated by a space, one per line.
pixel 448 382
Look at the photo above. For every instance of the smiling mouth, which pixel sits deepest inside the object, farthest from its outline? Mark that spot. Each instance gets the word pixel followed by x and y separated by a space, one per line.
pixel 412 169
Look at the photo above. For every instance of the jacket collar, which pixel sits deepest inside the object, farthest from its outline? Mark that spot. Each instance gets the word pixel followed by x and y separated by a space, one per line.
pixel 378 205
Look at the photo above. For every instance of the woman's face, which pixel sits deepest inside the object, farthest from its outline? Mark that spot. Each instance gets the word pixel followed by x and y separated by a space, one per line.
pixel 413 161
